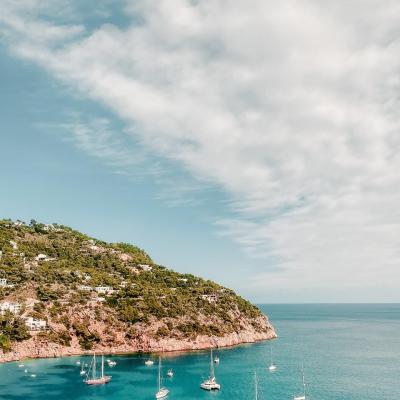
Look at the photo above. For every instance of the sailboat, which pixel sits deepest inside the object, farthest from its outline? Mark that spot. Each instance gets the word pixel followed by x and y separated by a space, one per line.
pixel 272 366
pixel 94 379
pixel 211 383
pixel 302 396
pixel 162 391
pixel 83 372
pixel 170 373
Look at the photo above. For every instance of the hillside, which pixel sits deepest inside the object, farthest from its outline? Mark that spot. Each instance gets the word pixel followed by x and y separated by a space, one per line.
pixel 63 292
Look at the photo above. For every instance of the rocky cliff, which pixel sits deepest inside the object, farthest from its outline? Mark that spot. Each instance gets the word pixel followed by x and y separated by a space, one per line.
pixel 64 293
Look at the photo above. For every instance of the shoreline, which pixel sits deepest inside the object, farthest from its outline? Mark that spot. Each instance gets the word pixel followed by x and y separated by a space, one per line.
pixel 168 346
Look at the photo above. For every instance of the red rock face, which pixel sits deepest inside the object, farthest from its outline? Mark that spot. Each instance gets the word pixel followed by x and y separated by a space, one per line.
pixel 36 347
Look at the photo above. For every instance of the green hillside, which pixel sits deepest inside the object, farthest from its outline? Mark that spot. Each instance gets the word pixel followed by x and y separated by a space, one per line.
pixel 58 274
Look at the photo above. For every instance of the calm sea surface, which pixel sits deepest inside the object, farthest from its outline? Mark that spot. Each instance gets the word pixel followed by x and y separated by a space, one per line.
pixel 348 351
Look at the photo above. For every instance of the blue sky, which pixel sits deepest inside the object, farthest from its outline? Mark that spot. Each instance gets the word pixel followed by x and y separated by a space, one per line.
pixel 46 177
pixel 211 135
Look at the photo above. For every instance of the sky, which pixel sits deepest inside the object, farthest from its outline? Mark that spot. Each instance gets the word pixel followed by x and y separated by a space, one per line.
pixel 253 144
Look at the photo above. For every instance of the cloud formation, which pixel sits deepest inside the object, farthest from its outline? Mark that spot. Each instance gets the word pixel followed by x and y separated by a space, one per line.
pixel 291 108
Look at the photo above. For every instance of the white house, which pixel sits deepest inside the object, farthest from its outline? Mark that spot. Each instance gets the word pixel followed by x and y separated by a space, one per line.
pixel 3 283
pixel 43 257
pixel 85 288
pixel 14 308
pixel 145 267
pixel 35 324
pixel 13 245
pixel 211 298
pixel 184 280
pixel 104 289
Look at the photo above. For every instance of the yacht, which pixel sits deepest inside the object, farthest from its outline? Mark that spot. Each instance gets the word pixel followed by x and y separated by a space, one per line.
pixel 272 366
pixel 162 391
pixel 211 382
pixel 303 395
pixel 93 379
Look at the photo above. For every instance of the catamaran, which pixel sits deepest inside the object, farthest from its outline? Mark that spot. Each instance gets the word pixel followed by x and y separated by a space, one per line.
pixel 302 396
pixel 162 391
pixel 93 379
pixel 272 366
pixel 211 383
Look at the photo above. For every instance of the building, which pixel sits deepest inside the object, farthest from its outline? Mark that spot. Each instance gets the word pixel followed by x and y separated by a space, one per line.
pixel 211 298
pixel 4 284
pixel 104 289
pixel 19 223
pixel 35 324
pixel 145 267
pixel 43 257
pixel 13 245
pixel 85 288
pixel 14 308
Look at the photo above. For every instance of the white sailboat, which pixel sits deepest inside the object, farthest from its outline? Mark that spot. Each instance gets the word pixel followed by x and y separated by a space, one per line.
pixel 302 396
pixel 216 360
pixel 211 383
pixel 83 371
pixel 111 363
pixel 170 373
pixel 93 379
pixel 149 363
pixel 162 391
pixel 272 366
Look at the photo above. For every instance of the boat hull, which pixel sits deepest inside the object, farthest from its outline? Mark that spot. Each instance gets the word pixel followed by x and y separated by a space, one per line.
pixel 162 393
pixel 210 386
pixel 99 381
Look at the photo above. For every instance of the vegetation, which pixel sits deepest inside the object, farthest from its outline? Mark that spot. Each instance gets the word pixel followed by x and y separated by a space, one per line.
pixel 61 268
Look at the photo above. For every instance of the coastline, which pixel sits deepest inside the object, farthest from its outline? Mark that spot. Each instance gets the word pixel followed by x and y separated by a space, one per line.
pixel 34 348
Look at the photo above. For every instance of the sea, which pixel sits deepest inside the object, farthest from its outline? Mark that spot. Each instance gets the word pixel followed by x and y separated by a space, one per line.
pixel 347 351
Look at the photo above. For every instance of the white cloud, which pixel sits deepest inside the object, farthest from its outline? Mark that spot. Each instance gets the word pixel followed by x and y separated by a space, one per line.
pixel 290 107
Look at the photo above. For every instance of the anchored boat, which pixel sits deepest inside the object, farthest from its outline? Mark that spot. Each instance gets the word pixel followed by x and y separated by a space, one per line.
pixel 93 379
pixel 302 396
pixel 211 383
pixel 162 391
pixel 272 366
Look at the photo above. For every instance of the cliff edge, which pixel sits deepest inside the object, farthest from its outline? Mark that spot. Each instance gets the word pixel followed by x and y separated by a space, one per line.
pixel 65 293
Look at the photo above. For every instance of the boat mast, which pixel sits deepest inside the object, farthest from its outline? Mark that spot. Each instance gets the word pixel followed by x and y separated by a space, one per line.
pixel 159 373
pixel 304 383
pixel 94 366
pixel 102 365
pixel 270 356
pixel 255 385
pixel 211 365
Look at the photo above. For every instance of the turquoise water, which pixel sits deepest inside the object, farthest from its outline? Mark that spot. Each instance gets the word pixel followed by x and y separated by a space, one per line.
pixel 348 351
